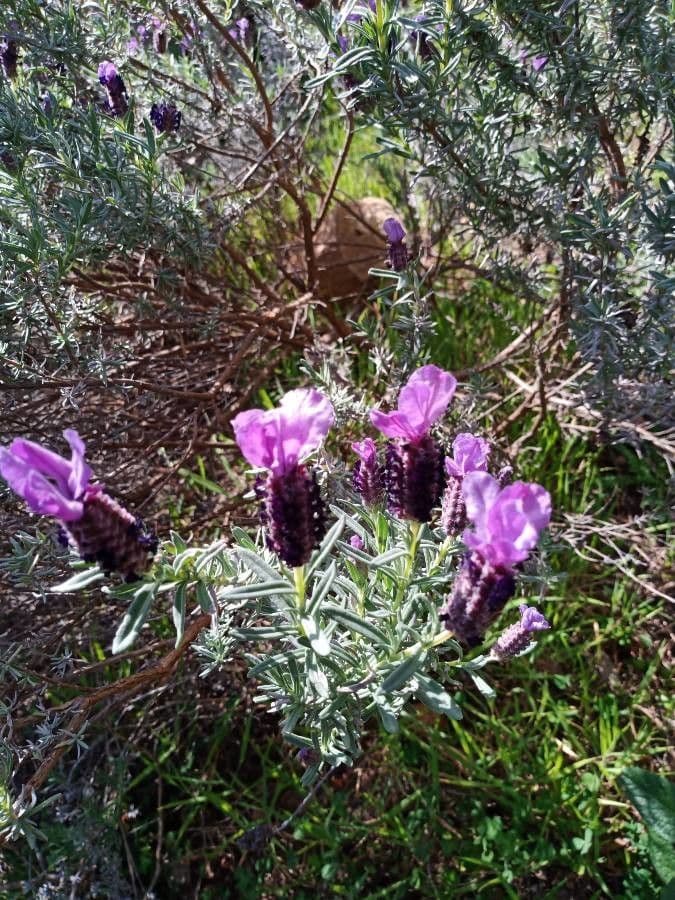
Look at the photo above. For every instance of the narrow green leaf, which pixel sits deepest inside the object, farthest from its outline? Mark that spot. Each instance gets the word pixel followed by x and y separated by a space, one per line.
pixel 402 673
pixel 437 698
pixel 77 582
pixel 135 618
pixel 178 611
pixel 349 619
pixel 326 547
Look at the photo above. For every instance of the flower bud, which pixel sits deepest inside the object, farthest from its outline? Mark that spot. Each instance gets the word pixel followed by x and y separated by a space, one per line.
pixel 478 595
pixel 517 638
pixel 293 515
pixel 414 478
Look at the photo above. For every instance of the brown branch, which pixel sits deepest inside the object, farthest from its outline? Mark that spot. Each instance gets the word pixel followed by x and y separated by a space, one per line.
pixel 124 688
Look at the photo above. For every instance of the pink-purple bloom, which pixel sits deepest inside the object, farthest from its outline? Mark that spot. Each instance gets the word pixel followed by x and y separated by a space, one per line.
pixel 280 440
pixel 116 90
pixel 414 471
pixel 421 403
pixel 53 485
pixel 507 524
pixel 507 521
pixel 538 62
pixel 517 638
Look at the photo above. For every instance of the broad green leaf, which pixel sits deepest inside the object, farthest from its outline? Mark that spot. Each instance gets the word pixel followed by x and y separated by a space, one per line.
pixel 654 798
pixel 402 673
pixel 437 698
pixel 349 619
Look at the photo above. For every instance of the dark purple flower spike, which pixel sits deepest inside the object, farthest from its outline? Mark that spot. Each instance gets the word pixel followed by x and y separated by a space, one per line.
pixel 165 117
pixel 279 440
pixel 396 249
pixel 9 57
pixel 100 529
pixel 517 638
pixel 414 462
pixel 507 525
pixel 116 91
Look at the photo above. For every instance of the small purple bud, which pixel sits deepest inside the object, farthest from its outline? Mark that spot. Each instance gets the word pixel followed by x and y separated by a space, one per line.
pixel 165 117
pixel 368 475
pixel 517 638
pixel 308 756
pixel 538 62
pixel 343 42
pixel 396 248
pixel 453 510
pixel 116 90
pixel 356 542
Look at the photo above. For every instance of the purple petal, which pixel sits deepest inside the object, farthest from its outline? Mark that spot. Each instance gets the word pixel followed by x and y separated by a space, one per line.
pixel 425 397
pixel 538 63
pixel 531 619
pixel 41 495
pixel 356 542
pixel 470 454
pixel 392 425
pixel 278 439
pixel 343 42
pixel 519 515
pixel 80 472
pixel 106 72
pixel 49 464
pixel 480 491
pixel 366 450
pixel 393 230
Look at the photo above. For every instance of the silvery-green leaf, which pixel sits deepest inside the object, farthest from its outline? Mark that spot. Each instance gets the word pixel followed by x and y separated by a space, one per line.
pixel 402 673
pixel 389 556
pixel 354 622
pixel 83 579
pixel 133 621
pixel 327 545
pixel 436 697
pixel 264 633
pixel 389 721
pixel 259 589
pixel 318 640
pixel 256 564
pixel 322 587
pixel 482 685
pixel 178 611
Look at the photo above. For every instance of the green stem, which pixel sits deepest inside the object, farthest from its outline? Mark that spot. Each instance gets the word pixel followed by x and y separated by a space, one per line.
pixel 415 531
pixel 300 586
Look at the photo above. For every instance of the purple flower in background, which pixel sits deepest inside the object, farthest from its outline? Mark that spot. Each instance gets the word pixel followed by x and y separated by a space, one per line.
pixel 414 472
pixel 507 525
pixel 518 637
pixel 98 527
pixel 279 440
pixel 507 521
pixel 343 43
pixel 116 90
pixel 9 56
pixel 165 117
pixel 368 475
pixel 396 248
pixel 538 62
pixel 470 454
pixel 241 31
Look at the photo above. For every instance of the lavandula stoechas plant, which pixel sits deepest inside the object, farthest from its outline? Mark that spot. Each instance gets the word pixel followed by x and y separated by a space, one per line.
pixel 97 526
pixel 116 91
pixel 469 454
pixel 279 440
pixel 414 461
pixel 507 525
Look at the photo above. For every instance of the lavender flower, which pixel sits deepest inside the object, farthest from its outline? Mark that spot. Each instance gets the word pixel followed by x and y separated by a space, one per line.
pixel 518 637
pixel 165 117
pixel 396 248
pixel 99 528
pixel 414 472
pixel 356 542
pixel 538 62
pixel 116 90
pixel 279 440
pixel 9 56
pixel 241 31
pixel 368 475
pixel 470 454
pixel 507 525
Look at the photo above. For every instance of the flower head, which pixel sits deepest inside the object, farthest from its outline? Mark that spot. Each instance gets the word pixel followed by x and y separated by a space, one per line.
pixel 507 521
pixel 421 403
pixel 165 117
pixel 278 439
pixel 50 484
pixel 517 638
pixel 107 73
pixel 368 475
pixel 469 454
